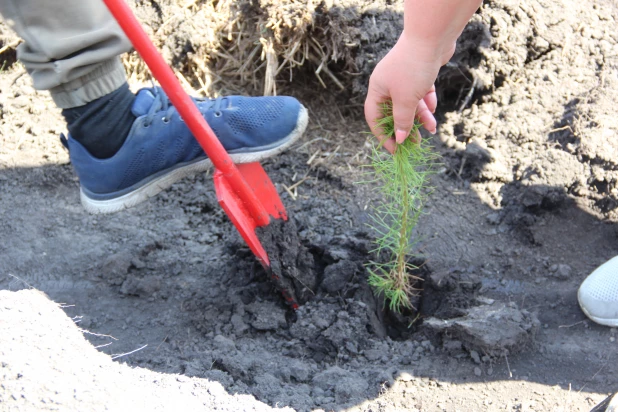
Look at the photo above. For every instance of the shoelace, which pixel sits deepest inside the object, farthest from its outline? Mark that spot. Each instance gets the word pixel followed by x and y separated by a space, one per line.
pixel 162 103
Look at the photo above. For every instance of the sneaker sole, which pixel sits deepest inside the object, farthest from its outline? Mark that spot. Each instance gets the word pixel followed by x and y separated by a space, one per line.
pixel 155 186
pixel 601 321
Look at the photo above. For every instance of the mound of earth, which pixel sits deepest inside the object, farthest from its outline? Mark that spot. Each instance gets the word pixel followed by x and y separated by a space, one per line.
pixel 46 364
pixel 263 46
pixel 531 92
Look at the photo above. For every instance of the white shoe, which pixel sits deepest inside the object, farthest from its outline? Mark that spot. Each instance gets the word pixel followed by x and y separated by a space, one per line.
pixel 598 295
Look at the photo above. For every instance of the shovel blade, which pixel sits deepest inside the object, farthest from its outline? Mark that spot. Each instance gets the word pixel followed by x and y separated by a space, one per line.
pixel 241 217
pixel 263 187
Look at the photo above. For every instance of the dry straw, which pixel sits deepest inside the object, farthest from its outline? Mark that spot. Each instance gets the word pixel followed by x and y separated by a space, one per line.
pixel 227 46
pixel 255 46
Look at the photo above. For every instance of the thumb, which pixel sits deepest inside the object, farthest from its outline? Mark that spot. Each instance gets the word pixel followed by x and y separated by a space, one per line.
pixel 404 113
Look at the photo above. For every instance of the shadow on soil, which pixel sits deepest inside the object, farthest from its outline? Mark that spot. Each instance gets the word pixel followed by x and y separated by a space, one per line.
pixel 173 274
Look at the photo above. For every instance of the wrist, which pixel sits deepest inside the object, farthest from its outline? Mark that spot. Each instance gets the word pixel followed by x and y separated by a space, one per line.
pixel 426 48
pixel 433 26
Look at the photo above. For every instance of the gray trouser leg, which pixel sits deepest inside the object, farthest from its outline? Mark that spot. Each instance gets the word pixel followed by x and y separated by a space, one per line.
pixel 70 47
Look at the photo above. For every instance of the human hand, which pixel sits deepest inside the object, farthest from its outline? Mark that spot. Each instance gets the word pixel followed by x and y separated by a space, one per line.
pixel 405 76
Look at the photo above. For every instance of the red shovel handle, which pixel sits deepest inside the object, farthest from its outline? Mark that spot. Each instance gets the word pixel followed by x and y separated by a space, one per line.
pixel 187 109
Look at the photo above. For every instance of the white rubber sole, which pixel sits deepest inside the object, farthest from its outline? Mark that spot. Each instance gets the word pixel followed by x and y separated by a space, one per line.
pixel 157 185
pixel 601 321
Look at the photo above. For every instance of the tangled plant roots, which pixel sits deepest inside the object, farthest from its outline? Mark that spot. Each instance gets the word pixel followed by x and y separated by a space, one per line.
pixel 222 46
pixel 260 46
pixel 402 180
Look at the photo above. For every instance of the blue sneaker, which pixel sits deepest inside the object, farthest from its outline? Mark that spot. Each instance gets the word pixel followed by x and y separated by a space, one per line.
pixel 161 150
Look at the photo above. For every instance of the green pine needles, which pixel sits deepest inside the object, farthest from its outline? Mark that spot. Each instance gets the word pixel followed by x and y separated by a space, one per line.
pixel 402 179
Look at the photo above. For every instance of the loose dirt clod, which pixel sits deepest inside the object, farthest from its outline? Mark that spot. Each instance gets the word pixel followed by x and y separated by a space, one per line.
pixel 292 266
pixel 489 329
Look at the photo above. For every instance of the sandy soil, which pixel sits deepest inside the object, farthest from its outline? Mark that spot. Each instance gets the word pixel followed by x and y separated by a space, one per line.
pixel 61 370
pixel 523 209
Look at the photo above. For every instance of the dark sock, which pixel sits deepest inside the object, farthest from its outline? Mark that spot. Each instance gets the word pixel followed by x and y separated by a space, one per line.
pixel 102 125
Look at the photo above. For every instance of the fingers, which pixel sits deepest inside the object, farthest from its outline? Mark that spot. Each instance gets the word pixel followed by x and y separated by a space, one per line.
pixel 418 137
pixel 404 120
pixel 431 99
pixel 390 145
pixel 372 113
pixel 404 112
pixel 426 117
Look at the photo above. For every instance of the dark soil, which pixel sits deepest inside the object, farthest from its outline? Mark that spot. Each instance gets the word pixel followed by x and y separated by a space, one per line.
pixel 292 266
pixel 522 211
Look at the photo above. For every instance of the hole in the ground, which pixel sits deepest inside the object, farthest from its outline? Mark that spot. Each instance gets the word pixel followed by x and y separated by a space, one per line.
pixel 7 58
pixel 457 85
pixel 601 186
pixel 458 129
pixel 318 276
pixel 499 81
pixel 401 326
pixel 452 86
pixel 343 317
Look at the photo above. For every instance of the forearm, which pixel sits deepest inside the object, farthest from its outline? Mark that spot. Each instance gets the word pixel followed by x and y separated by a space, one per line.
pixel 434 25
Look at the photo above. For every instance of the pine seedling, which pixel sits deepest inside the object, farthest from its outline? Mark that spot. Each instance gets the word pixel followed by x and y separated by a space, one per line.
pixel 402 180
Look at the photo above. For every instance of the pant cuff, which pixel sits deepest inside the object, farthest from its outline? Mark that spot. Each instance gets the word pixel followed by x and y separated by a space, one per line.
pixel 106 78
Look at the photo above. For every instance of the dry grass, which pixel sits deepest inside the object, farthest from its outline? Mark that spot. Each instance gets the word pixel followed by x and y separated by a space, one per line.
pixel 256 46
pixel 237 46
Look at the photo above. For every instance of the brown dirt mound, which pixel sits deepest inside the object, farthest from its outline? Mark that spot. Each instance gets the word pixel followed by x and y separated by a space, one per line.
pixel 259 46
pixel 540 87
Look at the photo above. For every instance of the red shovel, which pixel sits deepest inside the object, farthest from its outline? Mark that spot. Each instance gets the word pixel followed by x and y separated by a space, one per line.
pixel 244 191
